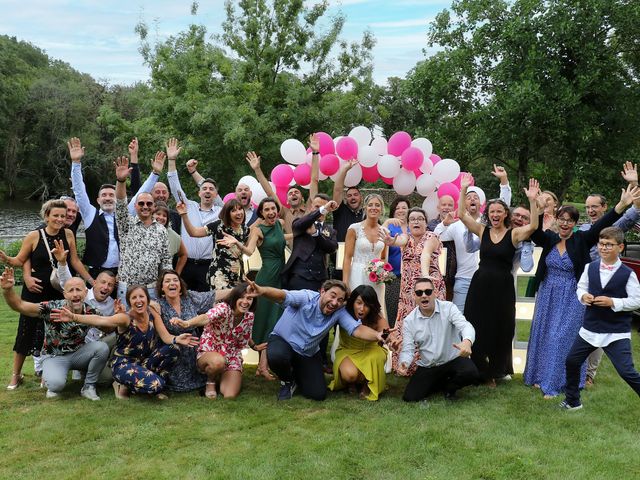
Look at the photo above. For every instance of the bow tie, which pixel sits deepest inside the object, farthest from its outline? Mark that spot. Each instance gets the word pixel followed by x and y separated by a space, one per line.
pixel 606 267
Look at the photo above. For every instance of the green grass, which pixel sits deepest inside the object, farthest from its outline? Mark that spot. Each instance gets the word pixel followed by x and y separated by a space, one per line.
pixel 506 433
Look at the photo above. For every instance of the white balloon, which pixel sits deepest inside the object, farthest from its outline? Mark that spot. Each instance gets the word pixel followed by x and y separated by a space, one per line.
pixel 293 151
pixel 362 135
pixel 388 166
pixel 353 176
pixel 446 170
pixel 430 205
pixel 426 184
pixel 404 182
pixel 380 144
pixel 250 181
pixel 427 165
pixel 308 158
pixel 258 193
pixel 424 145
pixel 367 156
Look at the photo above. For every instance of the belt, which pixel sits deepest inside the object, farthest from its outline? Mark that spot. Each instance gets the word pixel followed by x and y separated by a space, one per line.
pixel 198 262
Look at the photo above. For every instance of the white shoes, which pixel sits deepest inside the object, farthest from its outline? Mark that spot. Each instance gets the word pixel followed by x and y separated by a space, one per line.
pixel 89 391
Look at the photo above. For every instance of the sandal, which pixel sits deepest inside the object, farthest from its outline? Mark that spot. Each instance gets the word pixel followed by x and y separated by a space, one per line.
pixel 265 373
pixel 210 390
pixel 121 392
pixel 18 378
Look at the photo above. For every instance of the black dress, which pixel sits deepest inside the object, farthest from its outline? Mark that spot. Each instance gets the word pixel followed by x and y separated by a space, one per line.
pixel 30 333
pixel 491 307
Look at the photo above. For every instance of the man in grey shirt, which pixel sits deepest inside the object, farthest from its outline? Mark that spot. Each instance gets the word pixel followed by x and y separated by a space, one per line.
pixel 443 338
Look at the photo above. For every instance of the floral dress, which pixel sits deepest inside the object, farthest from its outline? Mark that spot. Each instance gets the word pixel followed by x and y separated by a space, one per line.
pixel 226 269
pixel 221 336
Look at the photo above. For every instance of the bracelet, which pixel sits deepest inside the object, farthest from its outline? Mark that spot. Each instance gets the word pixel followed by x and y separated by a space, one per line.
pixel 253 347
pixel 191 173
pixel 181 214
pixel 174 340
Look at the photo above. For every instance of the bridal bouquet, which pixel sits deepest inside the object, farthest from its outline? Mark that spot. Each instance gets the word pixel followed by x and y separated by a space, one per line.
pixel 379 271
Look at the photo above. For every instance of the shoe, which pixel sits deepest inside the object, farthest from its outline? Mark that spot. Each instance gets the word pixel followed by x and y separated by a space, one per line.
pixel 210 390
pixel 121 392
pixel 16 381
pixel 51 394
pixel 286 390
pixel 76 375
pixel 89 391
pixel 506 378
pixel 327 368
pixel 161 396
pixel 565 406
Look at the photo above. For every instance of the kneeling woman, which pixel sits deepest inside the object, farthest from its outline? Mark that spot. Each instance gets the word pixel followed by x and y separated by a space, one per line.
pixel 144 351
pixel 360 363
pixel 227 330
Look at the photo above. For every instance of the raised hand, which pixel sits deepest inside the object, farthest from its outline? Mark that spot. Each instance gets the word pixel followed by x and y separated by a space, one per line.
pixel 500 173
pixel 331 206
pixel 254 160
pixel 76 150
pixel 630 195
pixel 433 242
pixel 533 191
pixel 158 162
pixel 314 142
pixel 254 290
pixel 133 150
pixel 187 340
pixel 122 168
pixel 449 218
pixel 61 315
pixel 350 164
pixel 7 280
pixel 172 148
pixel 118 307
pixel 59 252
pixel 227 240
pixel 465 180
pixel 630 173
pixel 179 322
pixel 181 208
pixel 192 165
pixel 385 236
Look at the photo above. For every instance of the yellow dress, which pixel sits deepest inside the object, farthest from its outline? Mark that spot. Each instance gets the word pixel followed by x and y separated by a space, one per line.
pixel 368 357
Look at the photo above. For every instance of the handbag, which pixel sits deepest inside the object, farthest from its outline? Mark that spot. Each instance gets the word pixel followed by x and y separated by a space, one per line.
pixel 54 280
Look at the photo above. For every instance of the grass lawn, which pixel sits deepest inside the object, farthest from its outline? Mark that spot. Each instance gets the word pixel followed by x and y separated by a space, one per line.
pixel 504 433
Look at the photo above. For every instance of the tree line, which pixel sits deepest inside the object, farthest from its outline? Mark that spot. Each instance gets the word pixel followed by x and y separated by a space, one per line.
pixel 546 88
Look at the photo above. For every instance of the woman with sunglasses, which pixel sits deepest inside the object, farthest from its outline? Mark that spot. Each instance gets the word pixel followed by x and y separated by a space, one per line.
pixel 558 313
pixel 490 306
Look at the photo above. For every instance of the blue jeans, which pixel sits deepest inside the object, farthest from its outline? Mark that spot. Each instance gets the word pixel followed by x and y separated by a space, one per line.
pixel 460 289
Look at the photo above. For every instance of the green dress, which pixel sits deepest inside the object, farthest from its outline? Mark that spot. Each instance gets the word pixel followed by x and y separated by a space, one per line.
pixel 368 357
pixel 272 253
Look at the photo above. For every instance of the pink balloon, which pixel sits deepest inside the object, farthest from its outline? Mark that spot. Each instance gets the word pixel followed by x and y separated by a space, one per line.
pixel 370 174
pixel 388 181
pixel 326 143
pixel 449 189
pixel 329 164
pixel 281 175
pixel 347 148
pixel 398 143
pixel 228 197
pixel 412 159
pixel 302 174
pixel 281 192
pixel 457 181
pixel 434 158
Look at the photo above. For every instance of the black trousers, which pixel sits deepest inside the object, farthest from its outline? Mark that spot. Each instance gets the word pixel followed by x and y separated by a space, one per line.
pixel 291 366
pixel 448 377
pixel 194 274
pixel 619 352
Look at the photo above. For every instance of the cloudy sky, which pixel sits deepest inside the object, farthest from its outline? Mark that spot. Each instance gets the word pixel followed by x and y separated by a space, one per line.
pixel 97 37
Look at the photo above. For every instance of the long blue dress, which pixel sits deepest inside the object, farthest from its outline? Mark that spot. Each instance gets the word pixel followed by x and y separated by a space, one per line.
pixel 556 322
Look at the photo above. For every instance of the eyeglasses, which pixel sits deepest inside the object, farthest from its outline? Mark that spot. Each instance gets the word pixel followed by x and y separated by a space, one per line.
pixel 418 219
pixel 145 204
pixel 519 215
pixel 565 221
pixel 606 246
pixel 426 291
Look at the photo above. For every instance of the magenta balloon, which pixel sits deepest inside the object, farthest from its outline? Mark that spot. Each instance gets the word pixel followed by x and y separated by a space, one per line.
pixel 228 197
pixel 388 181
pixel 281 175
pixel 347 148
pixel 448 189
pixel 281 192
pixel 398 143
pixel 302 174
pixel 329 164
pixel 457 181
pixel 434 158
pixel 370 174
pixel 326 143
pixel 412 159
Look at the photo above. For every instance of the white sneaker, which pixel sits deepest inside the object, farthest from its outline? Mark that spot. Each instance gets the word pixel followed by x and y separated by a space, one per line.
pixel 51 394
pixel 89 391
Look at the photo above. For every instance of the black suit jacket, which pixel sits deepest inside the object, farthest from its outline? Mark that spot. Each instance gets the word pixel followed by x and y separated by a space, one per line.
pixel 304 244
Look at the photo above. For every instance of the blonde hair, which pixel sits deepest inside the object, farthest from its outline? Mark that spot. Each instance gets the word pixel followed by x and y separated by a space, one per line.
pixel 49 205
pixel 368 198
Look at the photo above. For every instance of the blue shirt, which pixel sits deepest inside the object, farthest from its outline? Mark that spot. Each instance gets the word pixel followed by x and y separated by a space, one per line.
pixel 395 253
pixel 302 324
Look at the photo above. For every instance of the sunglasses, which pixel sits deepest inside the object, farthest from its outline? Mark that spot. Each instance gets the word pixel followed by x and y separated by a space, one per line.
pixel 145 204
pixel 426 291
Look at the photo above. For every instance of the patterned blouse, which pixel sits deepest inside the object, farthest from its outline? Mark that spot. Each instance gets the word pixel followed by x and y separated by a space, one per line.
pixel 221 336
pixel 63 337
pixel 226 268
pixel 144 249
pixel 135 345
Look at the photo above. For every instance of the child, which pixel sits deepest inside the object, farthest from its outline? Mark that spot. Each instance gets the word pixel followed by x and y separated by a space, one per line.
pixel 610 290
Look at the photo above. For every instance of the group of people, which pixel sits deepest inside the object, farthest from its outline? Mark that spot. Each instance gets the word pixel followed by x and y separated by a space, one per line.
pixel 161 300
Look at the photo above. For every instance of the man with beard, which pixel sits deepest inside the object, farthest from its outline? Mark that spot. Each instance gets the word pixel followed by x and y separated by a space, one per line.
pixel 292 351
pixel 102 241
pixel 199 250
pixel 64 346
pixel 243 195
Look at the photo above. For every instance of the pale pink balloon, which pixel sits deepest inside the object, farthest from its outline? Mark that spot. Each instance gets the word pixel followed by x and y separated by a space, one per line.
pixel 412 159
pixel 449 189
pixel 302 174
pixel 457 181
pixel 347 148
pixel 228 197
pixel 398 143
pixel 370 174
pixel 329 164
pixel 326 143
pixel 434 158
pixel 281 175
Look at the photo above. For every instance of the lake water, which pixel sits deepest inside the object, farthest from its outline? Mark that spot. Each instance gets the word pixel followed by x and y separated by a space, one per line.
pixel 18 217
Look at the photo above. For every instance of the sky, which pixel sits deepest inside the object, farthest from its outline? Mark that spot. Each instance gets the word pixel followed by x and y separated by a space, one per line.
pixel 98 38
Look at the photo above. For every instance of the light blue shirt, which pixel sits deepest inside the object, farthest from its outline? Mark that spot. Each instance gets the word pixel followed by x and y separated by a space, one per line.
pixel 302 324
pixel 624 223
pixel 88 213
pixel 147 187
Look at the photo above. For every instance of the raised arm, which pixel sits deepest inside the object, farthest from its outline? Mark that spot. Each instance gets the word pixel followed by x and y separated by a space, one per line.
pixel 136 181
pixel 122 172
pixel 254 162
pixel 338 187
pixel 118 320
pixel 431 244
pixel 87 211
pixel 505 189
pixel 157 164
pixel 192 230
pixel 7 281
pixel 197 321
pixel 274 294
pixel 464 216
pixel 520 234
pixel 314 144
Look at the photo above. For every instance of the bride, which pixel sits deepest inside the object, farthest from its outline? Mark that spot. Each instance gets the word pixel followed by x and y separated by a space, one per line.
pixel 364 242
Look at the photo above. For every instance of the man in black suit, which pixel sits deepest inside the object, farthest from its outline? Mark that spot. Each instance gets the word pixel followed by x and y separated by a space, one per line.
pixel 312 241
